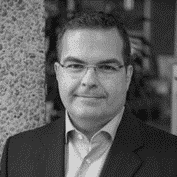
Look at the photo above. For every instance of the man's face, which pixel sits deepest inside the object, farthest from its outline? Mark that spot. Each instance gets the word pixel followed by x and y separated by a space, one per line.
pixel 92 100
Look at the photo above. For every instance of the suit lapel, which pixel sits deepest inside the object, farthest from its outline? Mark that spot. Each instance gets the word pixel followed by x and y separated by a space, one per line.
pixel 121 164
pixel 122 160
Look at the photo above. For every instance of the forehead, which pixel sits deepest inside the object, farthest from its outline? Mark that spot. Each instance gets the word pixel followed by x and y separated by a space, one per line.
pixel 91 44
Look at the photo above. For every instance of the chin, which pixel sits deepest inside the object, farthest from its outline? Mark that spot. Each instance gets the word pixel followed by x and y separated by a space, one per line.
pixel 86 113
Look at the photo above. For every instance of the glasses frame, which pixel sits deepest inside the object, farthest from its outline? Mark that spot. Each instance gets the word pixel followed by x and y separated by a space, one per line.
pixel 91 66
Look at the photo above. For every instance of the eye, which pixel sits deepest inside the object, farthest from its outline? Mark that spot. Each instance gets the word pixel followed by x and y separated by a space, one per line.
pixel 74 66
pixel 107 67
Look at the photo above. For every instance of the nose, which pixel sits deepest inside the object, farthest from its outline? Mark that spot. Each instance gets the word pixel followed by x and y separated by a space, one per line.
pixel 90 78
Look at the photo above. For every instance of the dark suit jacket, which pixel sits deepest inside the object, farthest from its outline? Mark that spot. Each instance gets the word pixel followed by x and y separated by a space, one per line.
pixel 138 150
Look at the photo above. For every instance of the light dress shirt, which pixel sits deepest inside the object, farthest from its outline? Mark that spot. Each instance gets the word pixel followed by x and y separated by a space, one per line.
pixel 78 146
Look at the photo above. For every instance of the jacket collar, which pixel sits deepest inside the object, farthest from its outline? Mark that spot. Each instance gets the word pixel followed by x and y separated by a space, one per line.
pixel 122 159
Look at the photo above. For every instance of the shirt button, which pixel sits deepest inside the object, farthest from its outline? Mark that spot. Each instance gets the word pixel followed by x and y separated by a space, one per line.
pixel 80 137
pixel 88 161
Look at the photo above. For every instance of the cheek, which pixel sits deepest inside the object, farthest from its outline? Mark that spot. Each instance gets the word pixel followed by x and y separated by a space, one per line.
pixel 66 86
pixel 116 90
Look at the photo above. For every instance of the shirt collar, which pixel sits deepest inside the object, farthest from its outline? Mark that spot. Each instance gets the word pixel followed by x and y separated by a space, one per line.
pixel 110 127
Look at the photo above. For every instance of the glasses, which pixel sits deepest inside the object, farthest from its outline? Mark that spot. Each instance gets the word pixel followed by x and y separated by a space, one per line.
pixel 78 69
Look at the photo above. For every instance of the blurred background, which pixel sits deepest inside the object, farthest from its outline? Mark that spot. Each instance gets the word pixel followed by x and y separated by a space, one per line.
pixel 151 28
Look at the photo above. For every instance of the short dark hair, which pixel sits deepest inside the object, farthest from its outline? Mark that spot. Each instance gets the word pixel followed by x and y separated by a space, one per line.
pixel 97 20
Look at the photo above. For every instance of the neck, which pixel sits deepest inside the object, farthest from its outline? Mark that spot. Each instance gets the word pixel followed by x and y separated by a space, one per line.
pixel 90 130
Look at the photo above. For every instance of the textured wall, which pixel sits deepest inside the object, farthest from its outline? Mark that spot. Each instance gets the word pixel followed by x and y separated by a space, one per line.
pixel 22 71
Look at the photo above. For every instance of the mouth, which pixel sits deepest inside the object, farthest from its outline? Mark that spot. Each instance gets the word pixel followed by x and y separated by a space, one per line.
pixel 91 96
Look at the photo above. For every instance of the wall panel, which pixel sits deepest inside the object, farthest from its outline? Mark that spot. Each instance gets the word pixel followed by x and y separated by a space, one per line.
pixel 22 70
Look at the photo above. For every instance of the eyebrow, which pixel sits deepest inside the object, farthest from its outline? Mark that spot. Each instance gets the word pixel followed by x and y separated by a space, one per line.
pixel 73 59
pixel 107 61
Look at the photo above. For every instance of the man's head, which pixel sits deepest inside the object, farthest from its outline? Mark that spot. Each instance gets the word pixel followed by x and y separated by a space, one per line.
pixel 97 20
pixel 92 82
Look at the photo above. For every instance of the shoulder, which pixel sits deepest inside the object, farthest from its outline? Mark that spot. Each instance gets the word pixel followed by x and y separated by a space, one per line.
pixel 37 134
pixel 158 134
pixel 150 133
pixel 159 141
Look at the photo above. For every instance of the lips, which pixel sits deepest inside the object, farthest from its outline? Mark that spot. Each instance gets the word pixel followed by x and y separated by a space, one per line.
pixel 91 96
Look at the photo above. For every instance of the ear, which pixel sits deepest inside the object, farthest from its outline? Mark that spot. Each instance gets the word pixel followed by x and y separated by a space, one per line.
pixel 129 75
pixel 56 68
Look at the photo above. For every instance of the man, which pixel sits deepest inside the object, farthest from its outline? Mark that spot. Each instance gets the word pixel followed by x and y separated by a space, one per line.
pixel 97 135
